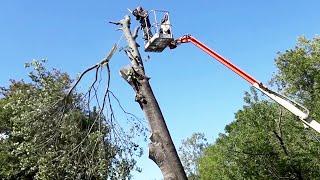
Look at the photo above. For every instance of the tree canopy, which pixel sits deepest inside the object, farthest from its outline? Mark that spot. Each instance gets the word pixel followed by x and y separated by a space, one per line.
pixel 265 141
pixel 46 135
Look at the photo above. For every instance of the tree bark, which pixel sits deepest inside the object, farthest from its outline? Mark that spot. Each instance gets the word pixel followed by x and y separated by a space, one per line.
pixel 161 148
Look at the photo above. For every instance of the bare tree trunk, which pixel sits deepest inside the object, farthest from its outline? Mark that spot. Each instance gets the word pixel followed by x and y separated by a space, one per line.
pixel 161 148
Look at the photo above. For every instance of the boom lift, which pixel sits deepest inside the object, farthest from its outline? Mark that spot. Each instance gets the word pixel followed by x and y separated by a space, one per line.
pixel 159 41
pixel 295 108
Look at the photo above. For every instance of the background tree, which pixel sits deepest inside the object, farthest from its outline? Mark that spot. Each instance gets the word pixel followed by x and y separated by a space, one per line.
pixel 46 135
pixel 190 152
pixel 298 73
pixel 266 141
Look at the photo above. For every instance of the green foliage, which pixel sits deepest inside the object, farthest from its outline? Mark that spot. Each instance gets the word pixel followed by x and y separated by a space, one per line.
pixel 47 136
pixel 190 152
pixel 266 141
pixel 299 73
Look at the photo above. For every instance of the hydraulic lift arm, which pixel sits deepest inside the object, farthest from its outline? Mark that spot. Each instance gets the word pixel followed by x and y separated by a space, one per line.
pixel 297 109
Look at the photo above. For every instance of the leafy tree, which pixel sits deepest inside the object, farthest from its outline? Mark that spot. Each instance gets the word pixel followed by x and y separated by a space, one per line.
pixel 45 135
pixel 190 152
pixel 266 141
pixel 298 73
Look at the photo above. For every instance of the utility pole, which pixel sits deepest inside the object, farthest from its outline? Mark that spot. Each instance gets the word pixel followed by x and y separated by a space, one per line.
pixel 161 147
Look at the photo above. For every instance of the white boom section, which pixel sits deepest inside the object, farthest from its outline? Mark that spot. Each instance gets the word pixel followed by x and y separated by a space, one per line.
pixel 291 106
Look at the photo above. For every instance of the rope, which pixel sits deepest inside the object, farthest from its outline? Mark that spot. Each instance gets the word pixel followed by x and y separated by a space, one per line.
pixel 118 42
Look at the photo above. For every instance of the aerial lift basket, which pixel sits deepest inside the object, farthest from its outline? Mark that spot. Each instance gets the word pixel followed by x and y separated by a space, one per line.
pixel 161 30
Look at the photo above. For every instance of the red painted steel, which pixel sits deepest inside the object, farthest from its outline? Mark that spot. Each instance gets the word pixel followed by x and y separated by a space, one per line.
pixel 221 59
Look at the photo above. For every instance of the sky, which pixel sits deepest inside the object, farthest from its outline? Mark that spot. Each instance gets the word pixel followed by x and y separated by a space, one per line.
pixel 195 93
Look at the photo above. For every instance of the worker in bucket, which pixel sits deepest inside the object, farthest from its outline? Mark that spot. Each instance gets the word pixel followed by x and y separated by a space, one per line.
pixel 165 25
pixel 143 17
pixel 165 28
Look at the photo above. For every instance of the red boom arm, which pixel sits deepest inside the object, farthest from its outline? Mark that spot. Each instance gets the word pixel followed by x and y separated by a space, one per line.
pixel 224 61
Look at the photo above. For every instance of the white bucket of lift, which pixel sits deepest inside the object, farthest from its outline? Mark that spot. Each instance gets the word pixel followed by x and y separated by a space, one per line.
pixel 161 31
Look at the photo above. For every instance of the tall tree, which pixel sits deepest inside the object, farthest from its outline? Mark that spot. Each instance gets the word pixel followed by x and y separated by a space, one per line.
pixel 266 141
pixel 46 135
pixel 161 149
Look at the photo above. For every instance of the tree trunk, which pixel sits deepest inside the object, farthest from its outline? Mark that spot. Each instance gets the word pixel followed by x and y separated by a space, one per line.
pixel 161 148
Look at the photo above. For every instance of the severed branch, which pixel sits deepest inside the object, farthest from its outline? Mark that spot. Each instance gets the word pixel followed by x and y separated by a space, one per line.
pixel 80 77
pixel 97 66
pixel 97 127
